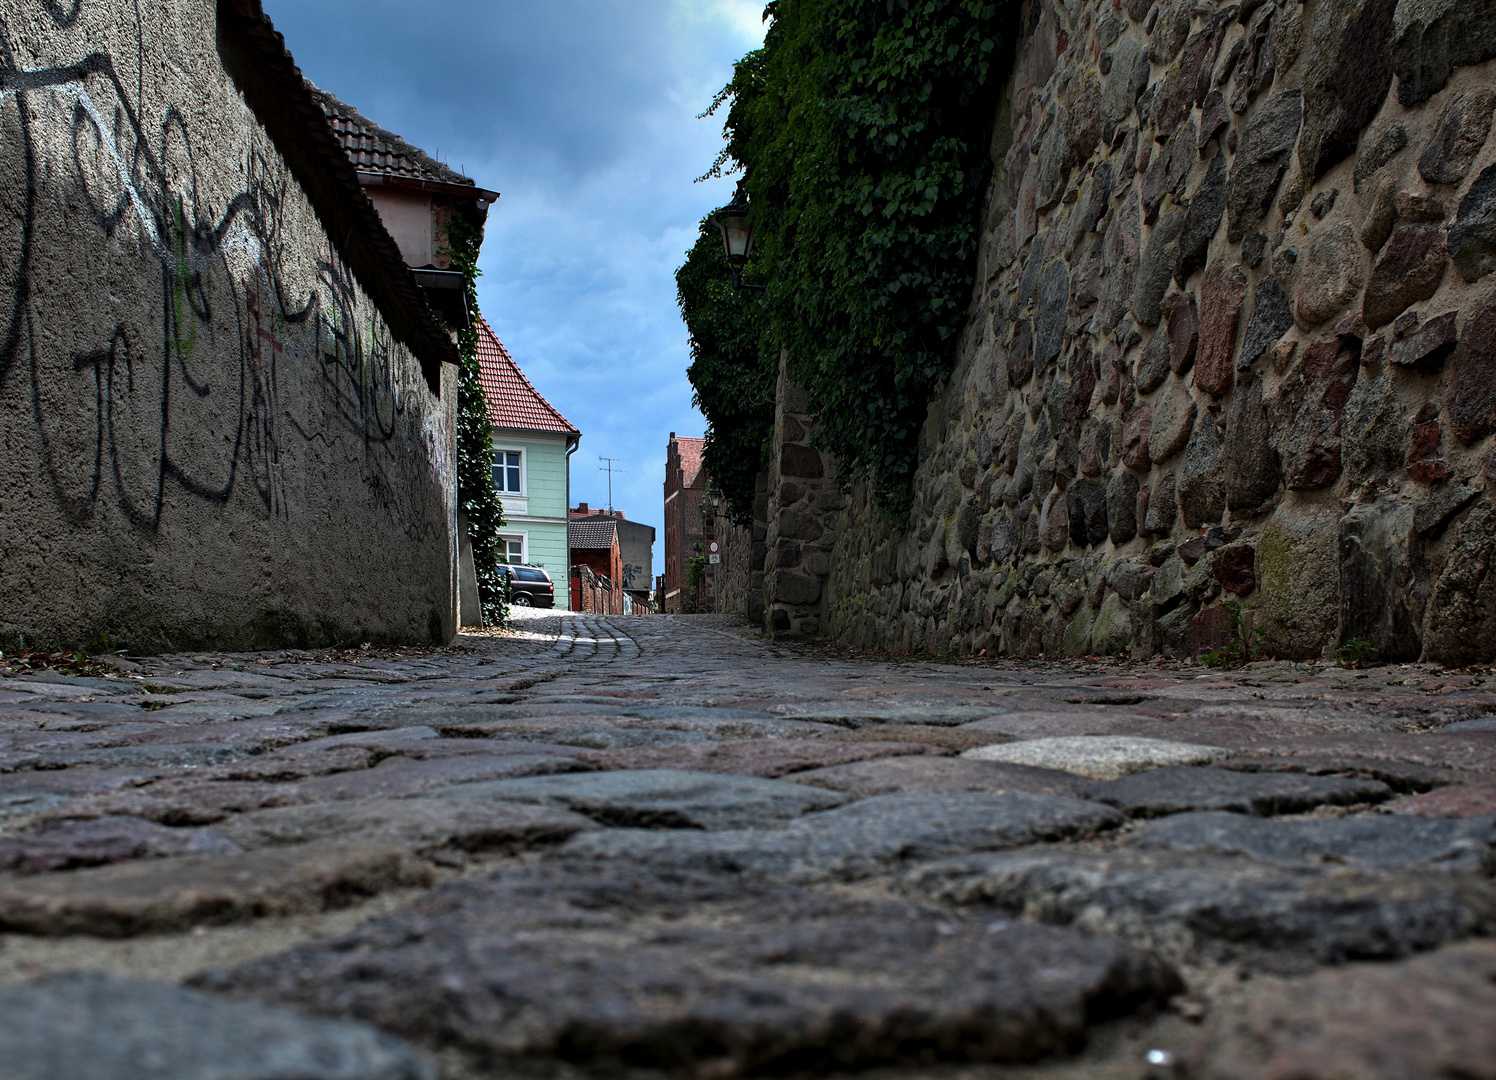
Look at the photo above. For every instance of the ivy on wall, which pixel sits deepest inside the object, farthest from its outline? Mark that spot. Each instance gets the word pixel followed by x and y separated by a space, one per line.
pixel 862 132
pixel 733 383
pixel 476 495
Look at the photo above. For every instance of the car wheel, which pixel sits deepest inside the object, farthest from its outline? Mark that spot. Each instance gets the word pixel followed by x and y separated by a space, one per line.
pixel 520 600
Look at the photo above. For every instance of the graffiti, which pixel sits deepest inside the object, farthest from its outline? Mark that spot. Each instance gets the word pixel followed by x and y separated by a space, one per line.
pixel 183 393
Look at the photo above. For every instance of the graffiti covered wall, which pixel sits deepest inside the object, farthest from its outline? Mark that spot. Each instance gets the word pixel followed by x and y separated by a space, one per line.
pixel 1232 346
pixel 209 434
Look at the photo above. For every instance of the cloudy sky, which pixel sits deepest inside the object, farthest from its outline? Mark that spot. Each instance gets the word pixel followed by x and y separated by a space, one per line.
pixel 581 113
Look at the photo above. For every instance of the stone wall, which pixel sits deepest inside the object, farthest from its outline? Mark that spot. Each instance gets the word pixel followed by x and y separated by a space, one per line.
pixel 1233 339
pixel 213 435
pixel 803 503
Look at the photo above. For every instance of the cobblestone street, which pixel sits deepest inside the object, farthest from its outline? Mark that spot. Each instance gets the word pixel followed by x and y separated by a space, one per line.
pixel 664 845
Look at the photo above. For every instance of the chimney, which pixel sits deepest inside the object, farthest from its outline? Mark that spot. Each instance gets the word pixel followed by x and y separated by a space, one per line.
pixel 581 508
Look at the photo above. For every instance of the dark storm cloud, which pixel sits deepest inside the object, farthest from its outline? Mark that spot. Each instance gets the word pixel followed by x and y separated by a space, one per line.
pixel 582 114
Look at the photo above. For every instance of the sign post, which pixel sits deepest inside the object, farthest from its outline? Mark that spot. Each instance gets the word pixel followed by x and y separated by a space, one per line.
pixel 714 557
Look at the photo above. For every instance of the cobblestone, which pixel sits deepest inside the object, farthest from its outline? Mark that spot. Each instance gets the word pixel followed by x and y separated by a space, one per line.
pixel 677 846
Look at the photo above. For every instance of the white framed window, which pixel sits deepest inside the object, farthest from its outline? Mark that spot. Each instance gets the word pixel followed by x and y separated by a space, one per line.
pixel 514 548
pixel 509 471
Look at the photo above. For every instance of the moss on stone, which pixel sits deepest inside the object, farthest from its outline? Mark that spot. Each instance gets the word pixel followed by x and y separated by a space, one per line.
pixel 1298 575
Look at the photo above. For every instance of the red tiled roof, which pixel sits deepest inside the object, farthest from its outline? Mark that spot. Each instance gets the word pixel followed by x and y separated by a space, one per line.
pixel 512 401
pixel 690 459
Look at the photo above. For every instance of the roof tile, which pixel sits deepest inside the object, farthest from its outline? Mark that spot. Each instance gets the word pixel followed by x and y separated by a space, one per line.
pixel 512 401
pixel 372 149
pixel 592 533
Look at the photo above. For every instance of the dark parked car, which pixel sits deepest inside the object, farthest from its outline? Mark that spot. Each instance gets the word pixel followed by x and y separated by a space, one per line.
pixel 529 586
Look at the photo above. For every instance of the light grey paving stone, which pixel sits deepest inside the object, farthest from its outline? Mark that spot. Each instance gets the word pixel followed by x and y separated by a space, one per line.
pixel 1378 841
pixel 1180 788
pixel 1198 907
pixel 874 836
pixel 1101 757
pixel 87 1026
pixel 609 965
pixel 423 823
pixel 661 798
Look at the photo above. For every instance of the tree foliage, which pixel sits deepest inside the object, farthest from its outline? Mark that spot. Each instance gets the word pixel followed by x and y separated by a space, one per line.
pixel 733 383
pixel 861 128
pixel 476 495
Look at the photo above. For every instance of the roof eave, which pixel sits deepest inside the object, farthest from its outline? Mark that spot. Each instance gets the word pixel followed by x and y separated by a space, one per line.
pixel 256 58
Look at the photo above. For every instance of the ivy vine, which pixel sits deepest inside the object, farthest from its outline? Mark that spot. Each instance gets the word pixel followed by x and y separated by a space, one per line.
pixel 476 495
pixel 861 129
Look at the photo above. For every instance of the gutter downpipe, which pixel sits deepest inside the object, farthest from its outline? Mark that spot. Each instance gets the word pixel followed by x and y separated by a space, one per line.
pixel 570 450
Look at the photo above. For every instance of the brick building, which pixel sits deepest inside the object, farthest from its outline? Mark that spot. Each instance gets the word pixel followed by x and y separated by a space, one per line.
pixel 594 547
pixel 686 483
pixel 636 549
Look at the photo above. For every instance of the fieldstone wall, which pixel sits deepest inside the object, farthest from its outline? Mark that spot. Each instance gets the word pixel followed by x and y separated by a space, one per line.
pixel 211 434
pixel 1233 339
pixel 743 549
pixel 804 503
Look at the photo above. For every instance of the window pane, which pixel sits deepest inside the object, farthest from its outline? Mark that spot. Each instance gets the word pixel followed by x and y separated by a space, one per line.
pixel 513 479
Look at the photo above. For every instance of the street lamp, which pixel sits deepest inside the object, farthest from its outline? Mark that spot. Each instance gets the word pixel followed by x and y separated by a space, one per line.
pixel 737 236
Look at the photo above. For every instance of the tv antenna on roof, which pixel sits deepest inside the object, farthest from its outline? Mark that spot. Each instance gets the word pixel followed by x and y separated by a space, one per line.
pixel 610 470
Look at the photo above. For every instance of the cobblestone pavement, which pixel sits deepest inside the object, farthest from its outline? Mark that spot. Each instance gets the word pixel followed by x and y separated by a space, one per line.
pixel 653 846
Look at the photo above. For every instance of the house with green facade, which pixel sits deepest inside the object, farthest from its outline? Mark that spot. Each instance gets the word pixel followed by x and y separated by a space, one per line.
pixel 532 448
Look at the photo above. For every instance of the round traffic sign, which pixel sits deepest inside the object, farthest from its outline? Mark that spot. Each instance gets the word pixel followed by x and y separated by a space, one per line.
pixel 713 547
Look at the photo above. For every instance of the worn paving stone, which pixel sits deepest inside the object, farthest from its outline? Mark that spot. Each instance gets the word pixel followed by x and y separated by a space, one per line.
pixel 424 824
pixel 182 801
pixel 26 793
pixel 1176 789
pixel 613 964
pixel 1473 751
pixel 1031 725
pixel 1402 777
pixel 396 776
pixel 70 844
pixel 1425 1017
pixel 1100 757
pixel 768 758
pixel 892 775
pixel 660 798
pixel 89 1026
pixel 1380 841
pixel 872 836
pixel 177 894
pixel 1456 801
pixel 1207 908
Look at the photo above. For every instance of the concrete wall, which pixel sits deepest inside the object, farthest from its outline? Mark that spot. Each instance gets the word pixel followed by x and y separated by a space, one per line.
pixel 636 548
pixel 1233 338
pixel 211 435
